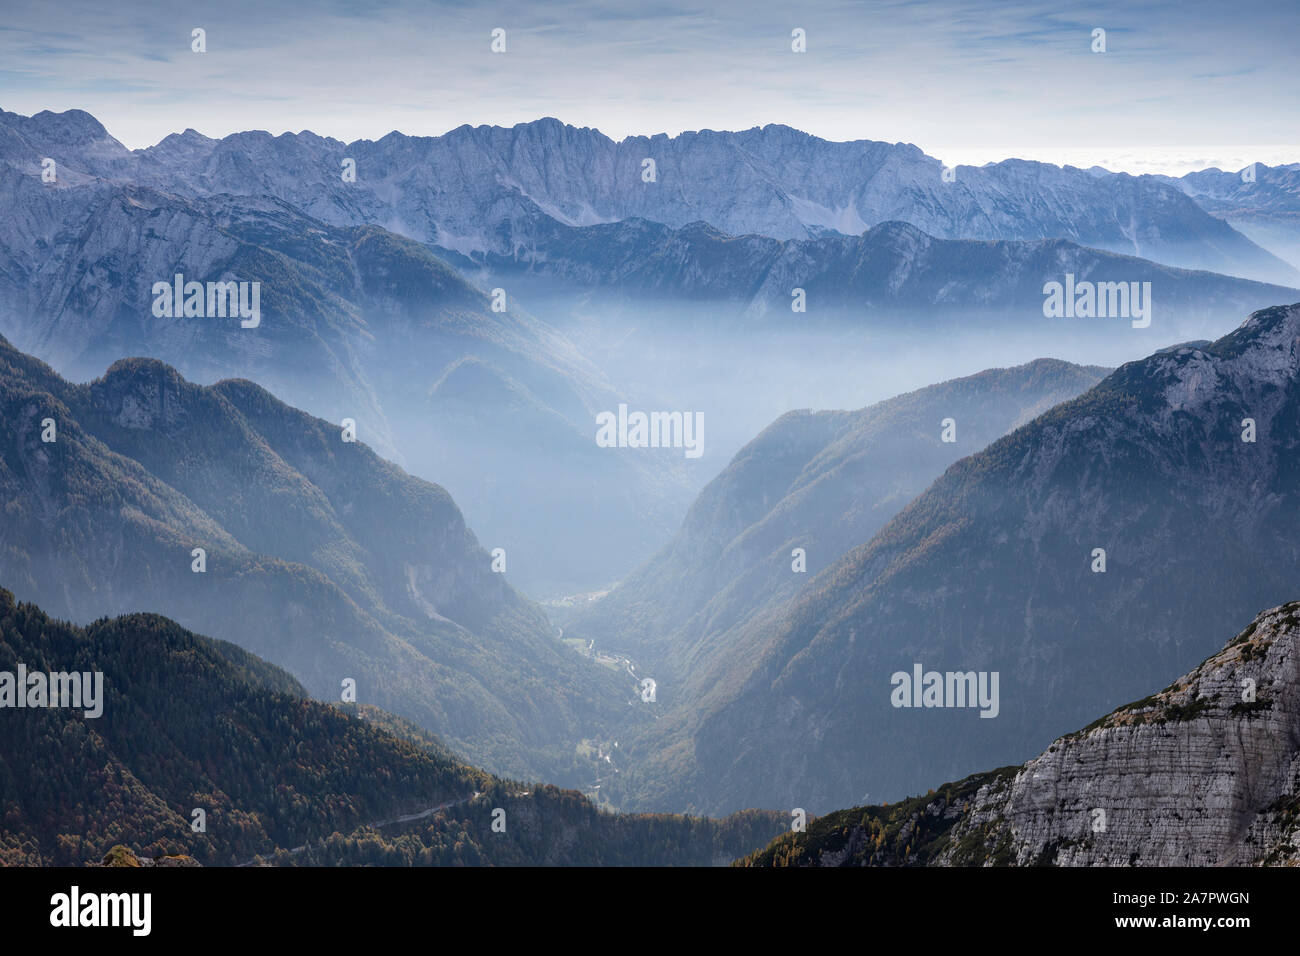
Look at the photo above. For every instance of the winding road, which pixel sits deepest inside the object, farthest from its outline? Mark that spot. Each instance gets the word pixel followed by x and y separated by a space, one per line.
pixel 420 815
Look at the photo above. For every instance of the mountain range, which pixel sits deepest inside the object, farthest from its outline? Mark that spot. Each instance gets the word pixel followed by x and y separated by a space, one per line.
pixel 356 323
pixel 893 276
pixel 483 189
pixel 472 305
pixel 379 296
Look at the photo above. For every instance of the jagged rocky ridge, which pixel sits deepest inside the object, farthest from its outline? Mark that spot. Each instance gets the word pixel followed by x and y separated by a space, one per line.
pixel 773 181
pixel 1203 773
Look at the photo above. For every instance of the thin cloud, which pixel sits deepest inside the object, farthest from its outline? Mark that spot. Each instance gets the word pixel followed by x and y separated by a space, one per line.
pixel 970 75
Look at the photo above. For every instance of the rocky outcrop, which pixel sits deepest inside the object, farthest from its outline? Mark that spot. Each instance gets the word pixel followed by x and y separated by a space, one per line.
pixel 1204 773
pixel 125 856
pixel 1207 772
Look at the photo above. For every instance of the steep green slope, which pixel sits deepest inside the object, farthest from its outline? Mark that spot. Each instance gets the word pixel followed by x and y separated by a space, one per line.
pixel 320 556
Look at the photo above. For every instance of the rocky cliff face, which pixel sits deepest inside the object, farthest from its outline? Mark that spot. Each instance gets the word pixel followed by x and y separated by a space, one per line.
pixel 1204 773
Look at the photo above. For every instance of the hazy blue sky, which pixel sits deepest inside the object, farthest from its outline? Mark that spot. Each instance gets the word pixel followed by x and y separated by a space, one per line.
pixel 1182 84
